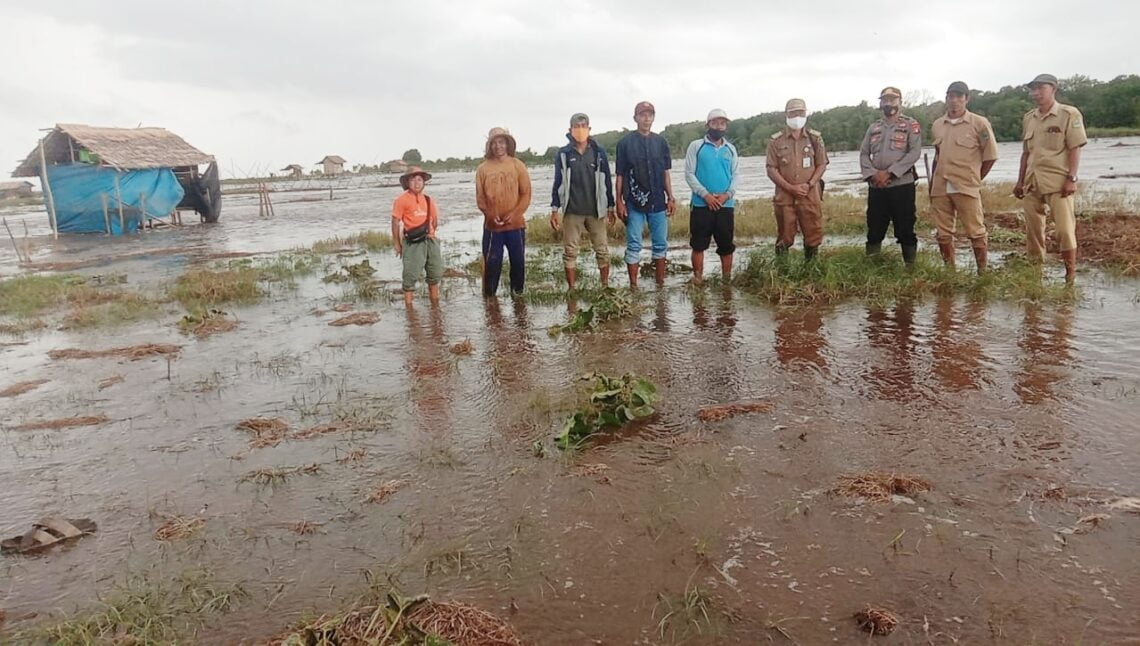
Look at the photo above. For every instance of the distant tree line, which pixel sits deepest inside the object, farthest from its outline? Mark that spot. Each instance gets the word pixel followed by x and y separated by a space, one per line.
pixel 1110 108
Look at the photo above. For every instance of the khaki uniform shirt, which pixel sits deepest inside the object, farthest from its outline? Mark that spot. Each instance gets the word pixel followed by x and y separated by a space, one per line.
pixel 796 159
pixel 962 147
pixel 1048 138
pixel 893 147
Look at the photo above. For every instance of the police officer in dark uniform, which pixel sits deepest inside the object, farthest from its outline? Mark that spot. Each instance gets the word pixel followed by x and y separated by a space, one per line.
pixel 890 149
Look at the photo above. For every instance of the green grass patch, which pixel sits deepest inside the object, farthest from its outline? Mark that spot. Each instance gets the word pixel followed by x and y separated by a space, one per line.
pixel 30 294
pixel 1094 132
pixel 199 288
pixel 846 273
pixel 142 612
pixel 370 240
pixel 127 308
pixel 604 305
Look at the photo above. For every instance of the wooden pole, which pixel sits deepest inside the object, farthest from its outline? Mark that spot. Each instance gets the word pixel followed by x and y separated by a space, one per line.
pixel 119 199
pixel 106 213
pixel 142 207
pixel 48 201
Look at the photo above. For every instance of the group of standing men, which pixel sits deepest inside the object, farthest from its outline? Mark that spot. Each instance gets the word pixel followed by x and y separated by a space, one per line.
pixel 584 202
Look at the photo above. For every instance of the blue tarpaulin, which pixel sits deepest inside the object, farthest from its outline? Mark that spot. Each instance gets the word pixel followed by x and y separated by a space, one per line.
pixel 77 191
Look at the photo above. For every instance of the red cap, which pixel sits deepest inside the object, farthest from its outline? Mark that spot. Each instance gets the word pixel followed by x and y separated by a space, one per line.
pixel 642 107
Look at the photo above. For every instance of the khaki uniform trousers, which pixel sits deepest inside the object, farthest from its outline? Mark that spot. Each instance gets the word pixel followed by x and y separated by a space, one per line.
pixel 804 215
pixel 1064 219
pixel 968 209
pixel 595 227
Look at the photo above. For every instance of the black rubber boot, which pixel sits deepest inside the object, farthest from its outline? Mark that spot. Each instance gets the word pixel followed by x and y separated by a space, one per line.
pixel 909 251
pixel 809 253
pixel 873 248
pixel 781 250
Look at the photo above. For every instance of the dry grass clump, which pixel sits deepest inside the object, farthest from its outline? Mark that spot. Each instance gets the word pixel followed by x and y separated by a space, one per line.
pixel 324 429
pixel 134 352
pixel 385 491
pixel 405 621
pixel 463 347
pixel 110 381
pixel 357 318
pixel 463 625
pixel 717 413
pixel 277 475
pixel 304 528
pixel 877 621
pixel 65 422
pixel 879 487
pixel 265 431
pixel 199 288
pixel 178 527
pixel 204 323
pixel 22 387
pixel 355 456
pixel 343 307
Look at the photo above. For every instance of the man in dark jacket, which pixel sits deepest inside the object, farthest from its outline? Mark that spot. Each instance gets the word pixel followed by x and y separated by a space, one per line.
pixel 583 192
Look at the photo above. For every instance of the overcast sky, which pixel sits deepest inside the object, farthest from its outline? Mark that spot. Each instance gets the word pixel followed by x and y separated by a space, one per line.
pixel 262 85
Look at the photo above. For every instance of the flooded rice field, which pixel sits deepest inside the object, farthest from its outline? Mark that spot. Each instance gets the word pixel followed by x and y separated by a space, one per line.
pixel 412 464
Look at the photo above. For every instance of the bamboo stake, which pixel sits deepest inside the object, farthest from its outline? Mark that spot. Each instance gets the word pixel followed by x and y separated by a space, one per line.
pixel 50 201
pixel 19 256
pixel 119 199
pixel 142 206
pixel 106 213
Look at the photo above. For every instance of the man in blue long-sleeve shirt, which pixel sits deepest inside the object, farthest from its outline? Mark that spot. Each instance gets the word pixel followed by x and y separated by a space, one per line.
pixel 711 164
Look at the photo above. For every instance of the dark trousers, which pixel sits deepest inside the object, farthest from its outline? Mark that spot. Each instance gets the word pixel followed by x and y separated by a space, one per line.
pixel 493 244
pixel 891 207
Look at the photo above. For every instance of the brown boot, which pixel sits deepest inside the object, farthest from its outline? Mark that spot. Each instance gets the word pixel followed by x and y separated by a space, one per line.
pixel 980 256
pixel 633 271
pixel 659 271
pixel 1070 258
pixel 947 250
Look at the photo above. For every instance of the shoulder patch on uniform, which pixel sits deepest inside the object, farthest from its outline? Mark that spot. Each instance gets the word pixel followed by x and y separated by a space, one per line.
pixel 984 135
pixel 776 135
pixel 815 133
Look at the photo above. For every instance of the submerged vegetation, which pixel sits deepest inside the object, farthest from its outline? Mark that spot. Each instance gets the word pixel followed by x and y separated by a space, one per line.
pixel 614 402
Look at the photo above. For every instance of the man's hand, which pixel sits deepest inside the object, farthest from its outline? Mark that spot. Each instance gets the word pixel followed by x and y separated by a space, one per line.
pixel 611 217
pixel 399 249
pixel 621 211
pixel 881 178
pixel 801 190
pixel 555 221
pixel 1019 190
pixel 670 207
pixel 1068 188
pixel 713 201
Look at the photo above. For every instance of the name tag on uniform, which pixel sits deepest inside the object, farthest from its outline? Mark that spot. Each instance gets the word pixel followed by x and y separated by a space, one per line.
pixel 807 162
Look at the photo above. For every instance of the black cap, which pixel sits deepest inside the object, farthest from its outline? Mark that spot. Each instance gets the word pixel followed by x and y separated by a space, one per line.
pixel 1043 78
pixel 958 87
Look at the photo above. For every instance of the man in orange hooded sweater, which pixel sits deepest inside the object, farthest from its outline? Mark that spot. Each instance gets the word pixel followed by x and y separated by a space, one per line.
pixel 502 191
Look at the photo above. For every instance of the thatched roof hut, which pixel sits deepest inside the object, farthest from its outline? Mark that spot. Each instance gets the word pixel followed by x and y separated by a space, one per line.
pixel 294 170
pixel 120 148
pixel 145 173
pixel 333 164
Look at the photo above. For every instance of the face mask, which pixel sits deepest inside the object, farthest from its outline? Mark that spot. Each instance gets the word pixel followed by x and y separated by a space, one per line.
pixel 796 123
pixel 715 135
pixel 580 135
pixel 890 110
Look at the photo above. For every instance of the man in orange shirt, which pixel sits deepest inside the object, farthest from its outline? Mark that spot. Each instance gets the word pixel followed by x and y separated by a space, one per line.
pixel 414 221
pixel 502 192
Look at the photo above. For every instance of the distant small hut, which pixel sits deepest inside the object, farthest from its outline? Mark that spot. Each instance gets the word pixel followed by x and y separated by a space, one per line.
pixel 333 164
pixel 15 189
pixel 394 166
pixel 295 171
pixel 114 179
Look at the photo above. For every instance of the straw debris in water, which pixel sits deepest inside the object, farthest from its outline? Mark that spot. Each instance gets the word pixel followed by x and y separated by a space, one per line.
pixel 876 621
pixel 717 413
pixel 879 487
pixel 134 352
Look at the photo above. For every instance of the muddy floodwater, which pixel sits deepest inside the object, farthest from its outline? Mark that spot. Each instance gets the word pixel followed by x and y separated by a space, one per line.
pixel 1022 417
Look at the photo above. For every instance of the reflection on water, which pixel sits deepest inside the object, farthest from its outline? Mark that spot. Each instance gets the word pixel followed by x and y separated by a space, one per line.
pixel 799 337
pixel 956 352
pixel 1046 343
pixel 891 330
pixel 431 370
